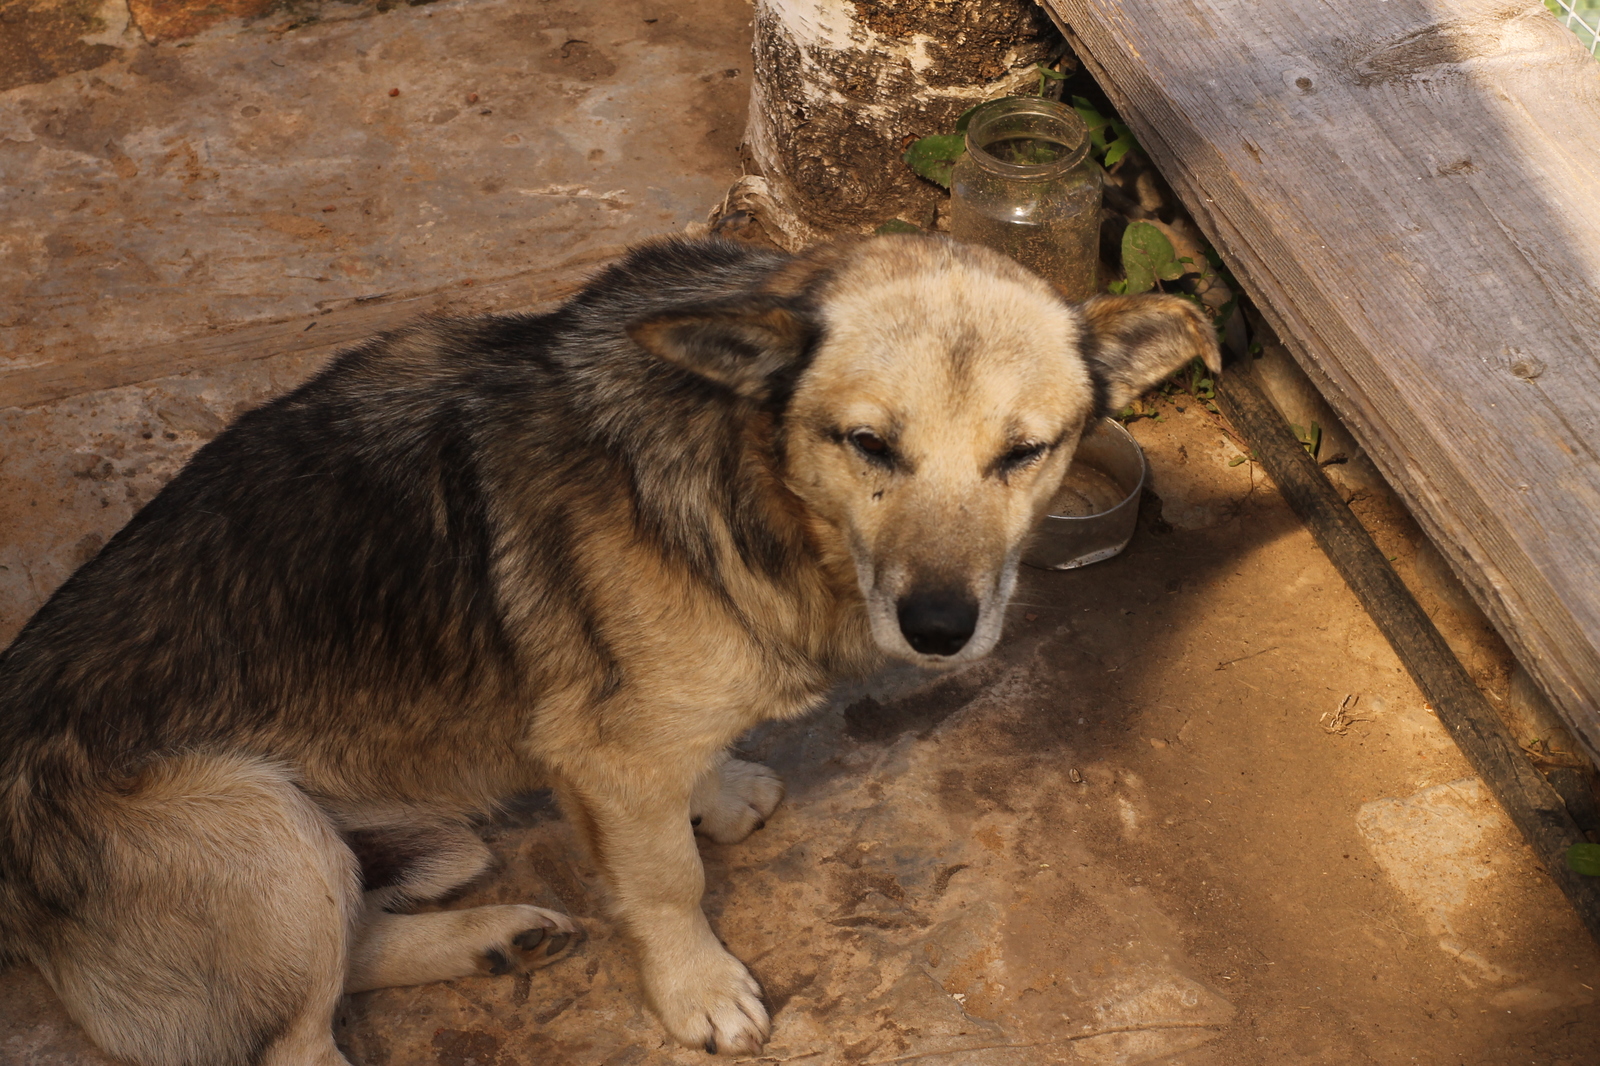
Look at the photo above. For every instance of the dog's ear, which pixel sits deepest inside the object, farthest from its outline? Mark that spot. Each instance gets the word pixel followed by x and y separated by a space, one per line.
pixel 745 342
pixel 1135 341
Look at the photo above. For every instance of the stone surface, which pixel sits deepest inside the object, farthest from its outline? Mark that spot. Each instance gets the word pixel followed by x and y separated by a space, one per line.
pixel 43 39
pixel 1439 847
pixel 173 20
pixel 255 175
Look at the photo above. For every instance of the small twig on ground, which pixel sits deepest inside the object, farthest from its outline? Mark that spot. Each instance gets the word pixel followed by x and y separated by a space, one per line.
pixel 1543 754
pixel 1242 658
pixel 1338 722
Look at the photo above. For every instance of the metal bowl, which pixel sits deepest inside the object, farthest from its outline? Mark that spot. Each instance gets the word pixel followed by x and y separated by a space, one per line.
pixel 1092 515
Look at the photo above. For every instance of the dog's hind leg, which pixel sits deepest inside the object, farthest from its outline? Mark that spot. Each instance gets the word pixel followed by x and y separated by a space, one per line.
pixel 404 863
pixel 217 928
pixel 410 856
pixel 392 950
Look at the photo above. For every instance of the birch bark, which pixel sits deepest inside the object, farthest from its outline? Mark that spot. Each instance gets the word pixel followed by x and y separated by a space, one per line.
pixel 842 86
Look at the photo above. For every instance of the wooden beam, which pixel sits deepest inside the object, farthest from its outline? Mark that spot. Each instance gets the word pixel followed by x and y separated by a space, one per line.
pixel 1407 191
pixel 324 333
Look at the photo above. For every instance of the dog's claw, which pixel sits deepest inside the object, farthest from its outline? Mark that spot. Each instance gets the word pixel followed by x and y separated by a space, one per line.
pixel 557 944
pixel 528 939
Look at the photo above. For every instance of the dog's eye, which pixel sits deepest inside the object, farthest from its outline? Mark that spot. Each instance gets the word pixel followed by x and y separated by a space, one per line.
pixel 872 446
pixel 1021 456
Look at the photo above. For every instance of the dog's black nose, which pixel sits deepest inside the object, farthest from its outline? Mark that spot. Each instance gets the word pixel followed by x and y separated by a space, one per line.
pixel 938 622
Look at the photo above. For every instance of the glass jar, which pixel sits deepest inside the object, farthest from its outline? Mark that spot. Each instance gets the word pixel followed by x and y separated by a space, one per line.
pixel 1028 187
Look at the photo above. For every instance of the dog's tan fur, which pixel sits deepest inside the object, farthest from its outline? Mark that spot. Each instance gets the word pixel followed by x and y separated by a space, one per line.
pixel 603 591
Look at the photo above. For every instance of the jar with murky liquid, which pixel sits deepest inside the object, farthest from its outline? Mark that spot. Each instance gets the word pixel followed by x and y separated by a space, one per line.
pixel 1028 187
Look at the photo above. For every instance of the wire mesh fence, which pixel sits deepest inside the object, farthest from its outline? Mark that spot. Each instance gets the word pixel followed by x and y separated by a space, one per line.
pixel 1581 17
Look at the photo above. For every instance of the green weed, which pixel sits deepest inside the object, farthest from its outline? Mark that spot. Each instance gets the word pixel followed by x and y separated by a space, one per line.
pixel 1110 138
pixel 1584 859
pixel 1148 258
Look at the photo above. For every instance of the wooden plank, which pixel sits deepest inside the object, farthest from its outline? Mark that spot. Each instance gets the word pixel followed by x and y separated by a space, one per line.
pixel 327 332
pixel 1407 191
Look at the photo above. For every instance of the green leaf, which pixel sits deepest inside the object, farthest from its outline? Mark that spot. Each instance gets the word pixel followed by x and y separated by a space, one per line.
pixel 966 117
pixel 1147 256
pixel 1584 859
pixel 1087 111
pixel 1110 137
pixel 1236 460
pixel 897 225
pixel 1045 72
pixel 1122 145
pixel 934 157
pixel 1310 439
pixel 1094 120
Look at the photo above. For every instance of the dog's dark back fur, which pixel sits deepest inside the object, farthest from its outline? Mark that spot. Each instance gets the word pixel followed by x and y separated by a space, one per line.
pixel 334 548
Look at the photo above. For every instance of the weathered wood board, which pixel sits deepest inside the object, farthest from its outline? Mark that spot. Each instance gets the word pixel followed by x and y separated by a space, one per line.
pixel 1409 191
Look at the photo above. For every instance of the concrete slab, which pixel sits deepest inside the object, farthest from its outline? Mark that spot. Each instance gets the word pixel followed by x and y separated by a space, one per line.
pixel 250 175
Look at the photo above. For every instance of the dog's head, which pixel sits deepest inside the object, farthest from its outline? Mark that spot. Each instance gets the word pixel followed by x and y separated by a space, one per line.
pixel 930 397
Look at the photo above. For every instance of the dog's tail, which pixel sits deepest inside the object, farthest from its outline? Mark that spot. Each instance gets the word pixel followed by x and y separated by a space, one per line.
pixel 198 911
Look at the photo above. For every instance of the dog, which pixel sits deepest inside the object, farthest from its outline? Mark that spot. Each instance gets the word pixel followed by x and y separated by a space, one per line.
pixel 584 550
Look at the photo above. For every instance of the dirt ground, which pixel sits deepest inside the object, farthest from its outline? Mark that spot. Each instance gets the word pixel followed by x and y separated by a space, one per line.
pixel 1138 833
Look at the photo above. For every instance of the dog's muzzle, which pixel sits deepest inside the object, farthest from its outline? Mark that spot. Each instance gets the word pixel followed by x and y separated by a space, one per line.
pixel 938 622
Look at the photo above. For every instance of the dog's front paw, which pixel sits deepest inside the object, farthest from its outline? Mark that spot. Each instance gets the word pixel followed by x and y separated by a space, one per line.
pixel 715 1005
pixel 734 800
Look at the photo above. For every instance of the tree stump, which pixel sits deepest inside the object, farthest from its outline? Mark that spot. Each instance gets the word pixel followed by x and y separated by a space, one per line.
pixel 841 88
